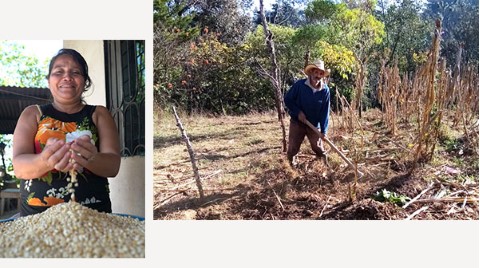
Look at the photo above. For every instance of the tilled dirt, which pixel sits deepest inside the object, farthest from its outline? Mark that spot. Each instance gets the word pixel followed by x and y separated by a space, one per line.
pixel 286 193
pixel 246 177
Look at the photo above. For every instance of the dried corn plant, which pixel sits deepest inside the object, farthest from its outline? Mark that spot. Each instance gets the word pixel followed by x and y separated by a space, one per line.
pixel 406 98
pixel 465 102
pixel 464 93
pixel 388 93
pixel 427 105
pixel 427 95
pixel 439 92
pixel 350 124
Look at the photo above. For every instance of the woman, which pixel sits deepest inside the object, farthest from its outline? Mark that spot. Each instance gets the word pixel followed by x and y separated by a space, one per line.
pixel 45 161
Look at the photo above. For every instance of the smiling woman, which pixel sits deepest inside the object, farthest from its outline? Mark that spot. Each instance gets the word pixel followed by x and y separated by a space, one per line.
pixel 43 165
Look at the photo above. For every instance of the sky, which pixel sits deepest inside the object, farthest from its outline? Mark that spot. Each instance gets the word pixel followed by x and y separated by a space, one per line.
pixel 42 49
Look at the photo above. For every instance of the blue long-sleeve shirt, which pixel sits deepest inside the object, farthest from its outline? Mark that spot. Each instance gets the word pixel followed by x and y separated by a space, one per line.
pixel 315 105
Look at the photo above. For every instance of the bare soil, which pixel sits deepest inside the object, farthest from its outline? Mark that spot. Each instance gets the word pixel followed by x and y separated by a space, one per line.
pixel 246 176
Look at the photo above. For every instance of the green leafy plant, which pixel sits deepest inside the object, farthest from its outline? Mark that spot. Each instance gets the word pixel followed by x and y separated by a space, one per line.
pixel 391 197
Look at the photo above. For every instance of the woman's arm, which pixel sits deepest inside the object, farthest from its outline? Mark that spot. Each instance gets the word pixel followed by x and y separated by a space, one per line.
pixel 27 164
pixel 106 162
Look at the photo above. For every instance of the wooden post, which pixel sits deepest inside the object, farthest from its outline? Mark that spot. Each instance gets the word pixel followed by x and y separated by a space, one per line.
pixel 275 77
pixel 191 153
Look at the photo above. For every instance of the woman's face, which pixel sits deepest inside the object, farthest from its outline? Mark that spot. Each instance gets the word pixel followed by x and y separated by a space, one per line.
pixel 66 81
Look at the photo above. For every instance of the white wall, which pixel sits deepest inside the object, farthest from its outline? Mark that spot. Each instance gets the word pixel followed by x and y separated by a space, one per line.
pixel 127 189
pixel 92 51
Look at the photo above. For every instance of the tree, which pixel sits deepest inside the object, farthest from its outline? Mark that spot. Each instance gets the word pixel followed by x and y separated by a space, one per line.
pixel 284 12
pixel 19 69
pixel 406 33
pixel 352 26
pixel 274 76
pixel 358 30
pixel 460 27
pixel 225 17
pixel 321 11
pixel 173 32
pixel 289 54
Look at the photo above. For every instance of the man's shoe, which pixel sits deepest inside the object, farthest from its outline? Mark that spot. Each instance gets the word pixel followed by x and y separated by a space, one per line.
pixel 324 159
pixel 293 162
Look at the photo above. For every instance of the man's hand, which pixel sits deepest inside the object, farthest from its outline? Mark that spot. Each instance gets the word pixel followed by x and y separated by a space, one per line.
pixel 322 136
pixel 301 117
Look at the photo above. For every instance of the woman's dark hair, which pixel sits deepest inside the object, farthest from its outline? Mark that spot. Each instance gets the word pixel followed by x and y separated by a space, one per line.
pixel 78 58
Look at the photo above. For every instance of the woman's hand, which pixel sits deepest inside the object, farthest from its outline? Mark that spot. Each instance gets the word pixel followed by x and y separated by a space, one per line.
pixel 83 152
pixel 56 154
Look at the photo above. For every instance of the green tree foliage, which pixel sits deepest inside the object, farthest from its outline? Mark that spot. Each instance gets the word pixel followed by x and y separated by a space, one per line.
pixel 321 11
pixel 283 12
pixel 307 36
pixel 407 34
pixel 20 69
pixel 224 17
pixel 173 31
pixel 350 32
pixel 289 57
pixel 219 79
pixel 209 59
pixel 356 29
pixel 460 27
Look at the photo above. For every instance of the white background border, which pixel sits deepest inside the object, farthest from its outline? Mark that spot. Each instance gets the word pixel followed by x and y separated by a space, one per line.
pixel 234 243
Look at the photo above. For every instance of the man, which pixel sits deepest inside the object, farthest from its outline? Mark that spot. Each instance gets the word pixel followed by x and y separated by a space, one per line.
pixel 308 99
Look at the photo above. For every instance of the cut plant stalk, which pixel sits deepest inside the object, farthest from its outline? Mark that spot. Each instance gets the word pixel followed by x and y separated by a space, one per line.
pixel 348 161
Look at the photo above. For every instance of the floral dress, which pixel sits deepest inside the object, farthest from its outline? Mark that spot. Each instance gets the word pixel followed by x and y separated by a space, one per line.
pixel 53 188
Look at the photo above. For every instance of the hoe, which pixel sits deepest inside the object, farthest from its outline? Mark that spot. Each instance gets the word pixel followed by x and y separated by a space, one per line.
pixel 359 174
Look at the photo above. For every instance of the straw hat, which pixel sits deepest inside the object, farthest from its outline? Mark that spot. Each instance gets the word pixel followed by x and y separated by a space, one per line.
pixel 317 64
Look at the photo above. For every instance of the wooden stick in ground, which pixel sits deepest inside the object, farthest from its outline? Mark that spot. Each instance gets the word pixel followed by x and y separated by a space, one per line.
pixel 358 173
pixel 191 153
pixel 274 75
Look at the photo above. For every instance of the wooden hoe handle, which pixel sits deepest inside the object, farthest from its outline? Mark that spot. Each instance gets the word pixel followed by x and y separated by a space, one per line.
pixel 359 174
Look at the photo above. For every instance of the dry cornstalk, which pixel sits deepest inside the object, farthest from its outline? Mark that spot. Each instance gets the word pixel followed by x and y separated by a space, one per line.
pixel 418 196
pixel 323 209
pixel 429 71
pixel 416 212
pixel 278 198
pixel 448 199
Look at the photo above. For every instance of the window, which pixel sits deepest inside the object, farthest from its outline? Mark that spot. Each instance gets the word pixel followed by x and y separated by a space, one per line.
pixel 125 71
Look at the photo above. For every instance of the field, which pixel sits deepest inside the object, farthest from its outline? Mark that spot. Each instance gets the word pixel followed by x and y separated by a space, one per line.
pixel 245 175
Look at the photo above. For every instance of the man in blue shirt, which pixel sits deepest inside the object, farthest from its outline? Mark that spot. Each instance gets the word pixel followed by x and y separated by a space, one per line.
pixel 308 99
